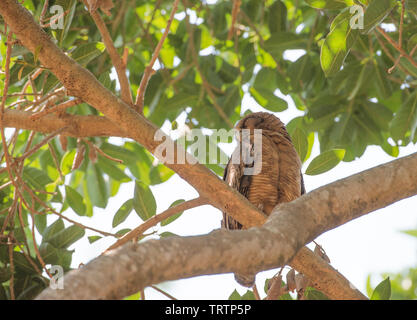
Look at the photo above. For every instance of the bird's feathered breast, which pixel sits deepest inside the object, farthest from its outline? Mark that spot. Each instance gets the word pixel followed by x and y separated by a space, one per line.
pixel 279 179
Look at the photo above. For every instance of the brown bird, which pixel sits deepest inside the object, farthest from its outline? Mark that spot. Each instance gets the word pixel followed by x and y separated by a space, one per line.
pixel 266 176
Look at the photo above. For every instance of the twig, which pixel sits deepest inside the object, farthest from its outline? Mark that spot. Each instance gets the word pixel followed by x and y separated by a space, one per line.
pixel 54 18
pixel 92 145
pixel 156 219
pixel 389 55
pixel 117 61
pixel 400 36
pixel 22 226
pixel 44 8
pixel 50 97
pixel 396 46
pixel 104 233
pixel 181 75
pixel 38 254
pixel 155 8
pixel 60 107
pixel 40 144
pixel 5 185
pixel 56 162
pixel 252 25
pixel 164 293
pixel 23 94
pixel 7 75
pixel 11 281
pixel 256 292
pixel 140 95
pixel 235 12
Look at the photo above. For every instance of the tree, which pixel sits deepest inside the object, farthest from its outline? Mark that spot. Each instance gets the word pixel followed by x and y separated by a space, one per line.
pixel 355 83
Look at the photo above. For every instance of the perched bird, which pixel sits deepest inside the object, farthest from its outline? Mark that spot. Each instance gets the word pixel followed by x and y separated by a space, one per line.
pixel 278 178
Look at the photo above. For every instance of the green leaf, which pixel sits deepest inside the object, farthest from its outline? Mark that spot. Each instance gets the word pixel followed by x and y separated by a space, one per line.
pixel 277 17
pixel 325 161
pixel 122 232
pixel 368 286
pixel 40 222
pixel 175 216
pixel 410 232
pixel 337 44
pixel 382 85
pixel 404 122
pixel 167 234
pixel 21 263
pixel 268 100
pixel 248 295
pixel 75 201
pixel 123 212
pixel 412 6
pixel 143 201
pixel 68 6
pixel 64 238
pixel 412 42
pixel 380 114
pixel 37 178
pixel 330 4
pixel 112 170
pixel 66 161
pixel 86 52
pixel 235 295
pixel 135 296
pixel 92 239
pixel 376 12
pixel 301 72
pixel 314 294
pixel 52 230
pixel 300 141
pixel 281 41
pixel 55 256
pixel 265 79
pixel 97 186
pixel 382 290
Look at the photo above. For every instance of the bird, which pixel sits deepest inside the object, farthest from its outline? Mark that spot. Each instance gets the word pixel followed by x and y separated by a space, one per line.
pixel 278 178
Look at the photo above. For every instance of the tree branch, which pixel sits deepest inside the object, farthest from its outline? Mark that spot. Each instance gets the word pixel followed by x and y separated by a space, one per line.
pixel 138 231
pixel 76 125
pixel 140 98
pixel 120 67
pixel 290 226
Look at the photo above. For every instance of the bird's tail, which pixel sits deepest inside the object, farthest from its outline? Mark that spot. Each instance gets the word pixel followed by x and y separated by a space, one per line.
pixel 245 280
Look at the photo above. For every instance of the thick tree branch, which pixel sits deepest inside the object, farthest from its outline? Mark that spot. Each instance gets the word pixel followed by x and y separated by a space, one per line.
pixel 81 83
pixel 117 61
pixel 290 226
pixel 76 125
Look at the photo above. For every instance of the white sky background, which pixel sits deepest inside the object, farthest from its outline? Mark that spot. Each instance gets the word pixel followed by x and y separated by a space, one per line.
pixel 371 244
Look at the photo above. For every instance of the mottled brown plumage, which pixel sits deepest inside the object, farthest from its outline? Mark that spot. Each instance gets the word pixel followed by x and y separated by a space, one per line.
pixel 279 180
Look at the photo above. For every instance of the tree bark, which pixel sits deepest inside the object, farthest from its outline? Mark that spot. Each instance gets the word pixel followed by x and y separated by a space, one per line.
pixel 291 225
pixel 75 125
